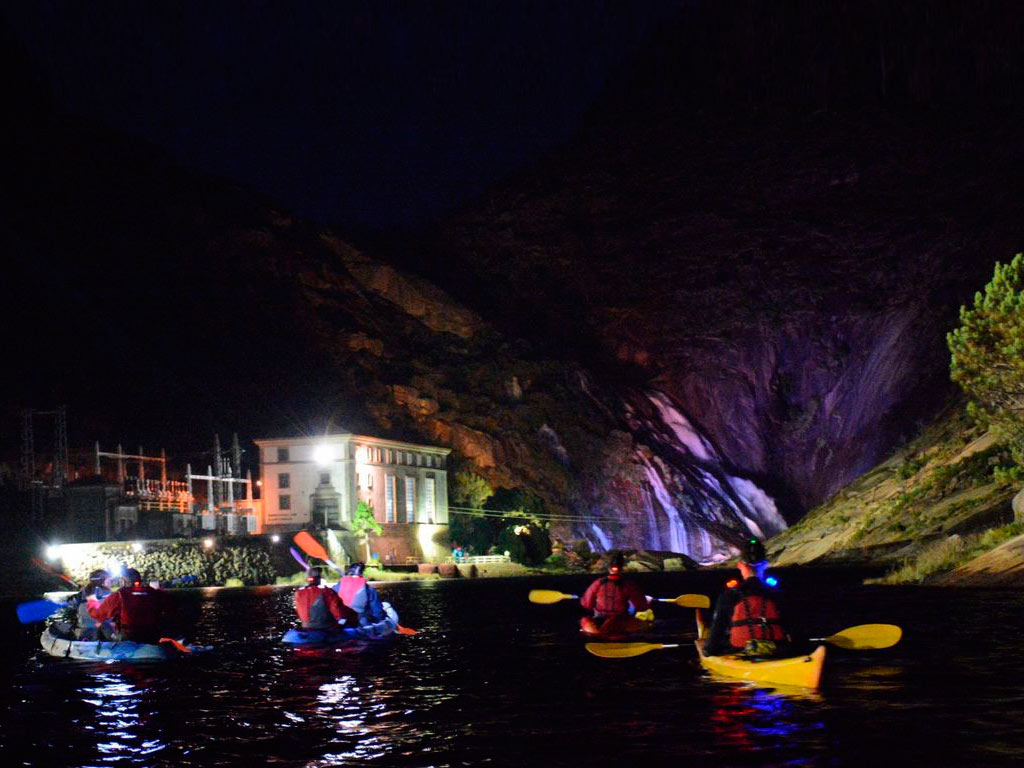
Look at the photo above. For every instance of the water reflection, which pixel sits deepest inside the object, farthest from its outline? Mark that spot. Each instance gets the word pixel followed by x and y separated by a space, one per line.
pixel 747 718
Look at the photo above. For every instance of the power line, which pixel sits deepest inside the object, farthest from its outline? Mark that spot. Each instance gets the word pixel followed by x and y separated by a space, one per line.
pixel 543 516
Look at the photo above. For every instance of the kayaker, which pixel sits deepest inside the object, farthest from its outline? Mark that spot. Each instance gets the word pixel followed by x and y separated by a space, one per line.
pixel 319 607
pixel 356 592
pixel 610 598
pixel 748 616
pixel 138 611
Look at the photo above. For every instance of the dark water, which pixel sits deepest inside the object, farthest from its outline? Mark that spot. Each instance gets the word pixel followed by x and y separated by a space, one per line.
pixel 494 680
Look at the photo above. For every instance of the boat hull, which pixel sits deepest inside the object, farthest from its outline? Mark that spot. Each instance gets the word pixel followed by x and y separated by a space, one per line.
pixel 799 671
pixel 95 650
pixel 342 635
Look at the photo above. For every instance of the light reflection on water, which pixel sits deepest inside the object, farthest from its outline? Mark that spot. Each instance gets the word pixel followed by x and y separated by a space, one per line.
pixel 493 680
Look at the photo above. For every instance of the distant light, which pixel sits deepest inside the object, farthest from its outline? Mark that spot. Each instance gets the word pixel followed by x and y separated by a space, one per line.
pixel 53 552
pixel 208 543
pixel 259 483
pixel 323 454
pixel 113 567
pixel 771 581
pixel 275 538
pixel 136 546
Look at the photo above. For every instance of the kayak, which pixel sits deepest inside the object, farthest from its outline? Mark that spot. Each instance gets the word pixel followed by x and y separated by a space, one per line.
pixel 376 631
pixel 801 671
pixel 104 650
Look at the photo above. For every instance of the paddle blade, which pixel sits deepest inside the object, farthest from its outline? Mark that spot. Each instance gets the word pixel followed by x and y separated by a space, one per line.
pixel 310 546
pixel 178 646
pixel 299 558
pixel 406 631
pixel 688 601
pixel 37 610
pixel 548 596
pixel 866 637
pixel 625 650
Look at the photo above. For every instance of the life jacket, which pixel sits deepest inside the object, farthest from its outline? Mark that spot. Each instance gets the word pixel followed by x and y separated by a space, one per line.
pixel 141 608
pixel 85 621
pixel 361 598
pixel 755 616
pixel 611 598
pixel 348 586
pixel 311 605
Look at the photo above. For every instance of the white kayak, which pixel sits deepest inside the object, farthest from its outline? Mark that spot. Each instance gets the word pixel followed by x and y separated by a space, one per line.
pixel 373 631
pixel 122 650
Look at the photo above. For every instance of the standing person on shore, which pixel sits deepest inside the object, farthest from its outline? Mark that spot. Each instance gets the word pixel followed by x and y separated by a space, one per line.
pixel 613 600
pixel 748 614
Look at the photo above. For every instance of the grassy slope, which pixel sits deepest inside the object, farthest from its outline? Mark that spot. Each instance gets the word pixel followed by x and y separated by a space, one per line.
pixel 925 510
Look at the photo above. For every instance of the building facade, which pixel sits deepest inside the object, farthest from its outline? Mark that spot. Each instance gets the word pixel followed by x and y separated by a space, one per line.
pixel 319 481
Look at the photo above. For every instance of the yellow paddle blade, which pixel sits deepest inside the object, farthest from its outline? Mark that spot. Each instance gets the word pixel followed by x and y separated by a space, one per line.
pixel 548 596
pixel 625 650
pixel 647 615
pixel 866 637
pixel 688 601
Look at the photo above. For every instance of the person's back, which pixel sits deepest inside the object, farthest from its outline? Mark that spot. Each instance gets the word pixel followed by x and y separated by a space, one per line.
pixel 611 598
pixel 137 609
pixel 319 607
pixel 356 593
pixel 748 616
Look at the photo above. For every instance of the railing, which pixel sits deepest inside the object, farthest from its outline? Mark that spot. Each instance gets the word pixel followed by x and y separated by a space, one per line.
pixel 483 559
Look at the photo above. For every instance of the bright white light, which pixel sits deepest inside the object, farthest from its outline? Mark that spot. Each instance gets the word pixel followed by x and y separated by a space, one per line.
pixel 323 454
pixel 136 546
pixel 53 552
pixel 113 567
pixel 208 543
pixel 275 538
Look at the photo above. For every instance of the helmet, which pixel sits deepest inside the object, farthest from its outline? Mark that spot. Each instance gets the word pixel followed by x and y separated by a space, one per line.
pixel 615 565
pixel 753 552
pixel 356 569
pixel 98 576
pixel 132 576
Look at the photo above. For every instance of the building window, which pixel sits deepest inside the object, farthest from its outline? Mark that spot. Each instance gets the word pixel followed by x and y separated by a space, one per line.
pixel 284 502
pixel 284 480
pixel 428 498
pixel 389 499
pixel 410 500
pixel 369 479
pixel 325 478
pixel 282 454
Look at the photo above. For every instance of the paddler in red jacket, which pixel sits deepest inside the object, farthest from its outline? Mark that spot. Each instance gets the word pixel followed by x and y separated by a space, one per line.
pixel 138 610
pixel 320 607
pixel 610 598
pixel 748 616
pixel 356 592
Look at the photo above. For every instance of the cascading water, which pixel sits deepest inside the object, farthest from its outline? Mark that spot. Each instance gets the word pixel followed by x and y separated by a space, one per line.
pixel 689 502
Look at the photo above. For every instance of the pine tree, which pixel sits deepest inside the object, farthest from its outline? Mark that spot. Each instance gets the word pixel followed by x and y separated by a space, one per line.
pixel 988 354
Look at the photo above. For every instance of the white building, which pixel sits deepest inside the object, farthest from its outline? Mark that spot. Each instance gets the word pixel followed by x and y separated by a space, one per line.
pixel 319 481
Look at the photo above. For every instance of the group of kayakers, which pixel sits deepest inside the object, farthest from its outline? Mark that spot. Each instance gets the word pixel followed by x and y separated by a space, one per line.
pixel 139 612
pixel 747 620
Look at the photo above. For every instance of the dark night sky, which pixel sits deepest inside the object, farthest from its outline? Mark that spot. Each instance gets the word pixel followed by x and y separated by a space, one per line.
pixel 362 116
pixel 356 114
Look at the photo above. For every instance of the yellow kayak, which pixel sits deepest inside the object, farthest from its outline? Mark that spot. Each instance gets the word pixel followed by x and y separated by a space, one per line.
pixel 803 671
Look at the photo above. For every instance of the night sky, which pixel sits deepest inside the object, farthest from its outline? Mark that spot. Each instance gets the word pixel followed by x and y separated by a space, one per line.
pixel 357 114
pixel 367 117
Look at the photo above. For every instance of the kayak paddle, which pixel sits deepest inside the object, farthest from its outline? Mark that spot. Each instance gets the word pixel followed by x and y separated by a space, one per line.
pixel 687 601
pixel 37 610
pixel 53 572
pixel 299 558
pixel 625 650
pixel 178 645
pixel 549 596
pixel 864 637
pixel 313 548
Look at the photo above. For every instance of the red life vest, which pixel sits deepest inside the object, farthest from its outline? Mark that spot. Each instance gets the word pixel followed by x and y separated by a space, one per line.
pixel 755 617
pixel 612 599
pixel 348 586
